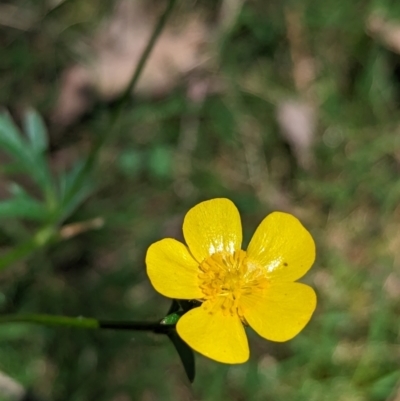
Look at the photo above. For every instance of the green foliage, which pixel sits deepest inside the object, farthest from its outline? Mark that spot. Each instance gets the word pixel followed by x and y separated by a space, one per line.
pixel 59 196
pixel 25 153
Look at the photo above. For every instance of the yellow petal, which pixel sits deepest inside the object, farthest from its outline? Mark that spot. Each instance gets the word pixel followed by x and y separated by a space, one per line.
pixel 280 312
pixel 172 270
pixel 283 246
pixel 216 336
pixel 212 226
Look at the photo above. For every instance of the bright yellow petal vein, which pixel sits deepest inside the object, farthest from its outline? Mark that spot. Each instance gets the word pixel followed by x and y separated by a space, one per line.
pixel 283 246
pixel 216 336
pixel 281 311
pixel 212 226
pixel 172 270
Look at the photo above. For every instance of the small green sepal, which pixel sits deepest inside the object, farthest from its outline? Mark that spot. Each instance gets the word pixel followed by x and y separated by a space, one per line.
pixel 171 319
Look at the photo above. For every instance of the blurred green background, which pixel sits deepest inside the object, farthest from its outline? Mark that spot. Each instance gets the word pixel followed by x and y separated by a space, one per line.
pixel 291 106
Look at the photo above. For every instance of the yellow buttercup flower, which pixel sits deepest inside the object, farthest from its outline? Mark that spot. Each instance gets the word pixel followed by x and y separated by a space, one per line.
pixel 255 287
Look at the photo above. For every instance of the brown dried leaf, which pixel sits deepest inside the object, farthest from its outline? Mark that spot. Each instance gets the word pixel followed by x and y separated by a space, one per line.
pixel 11 389
pixel 385 31
pixel 297 120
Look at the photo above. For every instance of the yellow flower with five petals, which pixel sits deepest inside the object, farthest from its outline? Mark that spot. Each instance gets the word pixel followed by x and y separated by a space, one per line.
pixel 255 287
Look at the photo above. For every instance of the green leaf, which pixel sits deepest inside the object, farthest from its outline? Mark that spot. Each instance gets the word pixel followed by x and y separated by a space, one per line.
pixel 74 189
pixel 34 164
pixel 18 191
pixel 76 199
pixel 185 353
pixel 11 140
pixel 23 207
pixel 36 131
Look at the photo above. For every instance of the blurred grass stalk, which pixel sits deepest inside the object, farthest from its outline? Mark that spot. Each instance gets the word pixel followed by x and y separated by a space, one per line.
pixel 50 233
pixel 124 99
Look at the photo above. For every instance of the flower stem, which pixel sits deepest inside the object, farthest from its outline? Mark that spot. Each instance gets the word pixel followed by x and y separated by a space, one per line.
pixel 155 327
pixel 86 323
pixel 51 320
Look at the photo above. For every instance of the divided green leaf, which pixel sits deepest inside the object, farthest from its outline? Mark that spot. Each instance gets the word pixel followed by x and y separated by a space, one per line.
pixel 36 131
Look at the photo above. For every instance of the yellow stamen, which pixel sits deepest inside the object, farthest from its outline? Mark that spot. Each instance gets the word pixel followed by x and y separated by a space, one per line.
pixel 225 277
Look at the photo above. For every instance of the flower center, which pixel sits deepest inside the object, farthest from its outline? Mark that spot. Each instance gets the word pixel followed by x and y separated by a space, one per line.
pixel 225 277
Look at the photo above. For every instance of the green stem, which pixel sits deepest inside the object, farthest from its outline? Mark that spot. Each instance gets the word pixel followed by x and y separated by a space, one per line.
pixel 51 320
pixel 89 163
pixel 155 327
pixel 86 323
pixel 139 68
